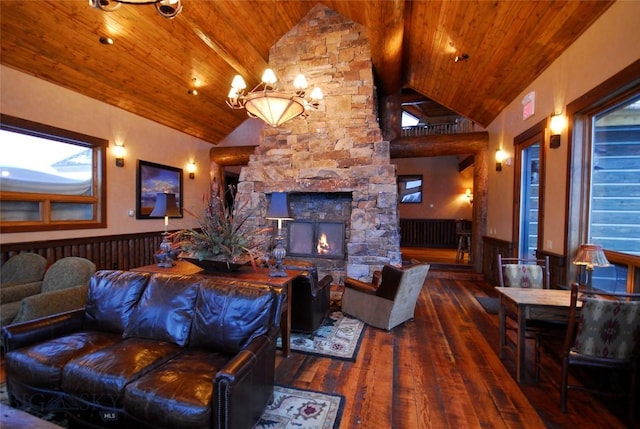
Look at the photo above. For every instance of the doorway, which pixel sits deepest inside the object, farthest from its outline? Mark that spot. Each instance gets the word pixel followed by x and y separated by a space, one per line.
pixel 529 182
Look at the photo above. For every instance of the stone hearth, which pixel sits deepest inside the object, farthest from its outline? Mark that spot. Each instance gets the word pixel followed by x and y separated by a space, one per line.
pixel 337 150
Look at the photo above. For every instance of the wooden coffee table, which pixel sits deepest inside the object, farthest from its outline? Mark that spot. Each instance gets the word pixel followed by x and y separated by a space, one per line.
pixel 245 274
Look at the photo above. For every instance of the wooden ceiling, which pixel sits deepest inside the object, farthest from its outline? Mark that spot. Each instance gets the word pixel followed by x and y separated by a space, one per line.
pixel 155 61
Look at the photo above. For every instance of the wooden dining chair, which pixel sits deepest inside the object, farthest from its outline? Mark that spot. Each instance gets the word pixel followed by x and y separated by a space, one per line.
pixel 603 333
pixel 530 273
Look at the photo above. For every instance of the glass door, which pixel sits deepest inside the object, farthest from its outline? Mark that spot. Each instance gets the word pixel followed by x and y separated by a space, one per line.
pixel 529 182
pixel 529 201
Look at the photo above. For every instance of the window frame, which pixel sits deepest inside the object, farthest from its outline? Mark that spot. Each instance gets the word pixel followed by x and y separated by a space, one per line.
pixel 99 183
pixel 579 113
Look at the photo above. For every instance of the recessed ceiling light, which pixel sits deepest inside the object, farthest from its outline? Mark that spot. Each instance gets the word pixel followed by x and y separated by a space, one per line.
pixel 192 92
pixel 461 57
pixel 106 40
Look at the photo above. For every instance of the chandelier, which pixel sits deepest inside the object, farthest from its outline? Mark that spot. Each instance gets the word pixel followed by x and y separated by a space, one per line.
pixel 272 106
pixel 166 8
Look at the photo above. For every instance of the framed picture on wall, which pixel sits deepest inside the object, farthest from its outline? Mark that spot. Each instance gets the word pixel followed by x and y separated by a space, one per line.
pixel 153 179
pixel 410 188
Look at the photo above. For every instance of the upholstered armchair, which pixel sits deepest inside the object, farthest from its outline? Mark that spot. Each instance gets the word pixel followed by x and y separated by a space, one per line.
pixel 18 276
pixel 389 300
pixel 310 301
pixel 63 288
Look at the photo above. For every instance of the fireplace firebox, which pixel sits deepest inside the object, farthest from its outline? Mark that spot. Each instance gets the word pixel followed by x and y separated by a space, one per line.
pixel 316 239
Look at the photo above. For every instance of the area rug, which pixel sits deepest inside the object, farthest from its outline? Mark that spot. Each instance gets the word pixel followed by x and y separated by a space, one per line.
pixel 301 409
pixel 290 408
pixel 338 337
pixel 489 303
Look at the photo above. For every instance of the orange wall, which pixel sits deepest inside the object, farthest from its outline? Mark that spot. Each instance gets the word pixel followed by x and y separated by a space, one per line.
pixel 608 46
pixel 443 190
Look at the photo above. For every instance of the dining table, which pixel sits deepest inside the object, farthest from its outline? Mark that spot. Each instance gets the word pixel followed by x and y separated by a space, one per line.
pixel 529 304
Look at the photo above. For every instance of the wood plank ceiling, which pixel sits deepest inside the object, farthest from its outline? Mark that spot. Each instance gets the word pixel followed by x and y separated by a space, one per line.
pixel 155 61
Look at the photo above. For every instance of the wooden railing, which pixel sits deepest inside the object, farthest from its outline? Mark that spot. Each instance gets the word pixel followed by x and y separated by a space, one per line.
pixel 107 252
pixel 435 233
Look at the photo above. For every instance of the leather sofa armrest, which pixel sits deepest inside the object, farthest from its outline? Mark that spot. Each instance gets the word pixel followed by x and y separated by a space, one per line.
pixel 245 384
pixel 359 285
pixel 23 334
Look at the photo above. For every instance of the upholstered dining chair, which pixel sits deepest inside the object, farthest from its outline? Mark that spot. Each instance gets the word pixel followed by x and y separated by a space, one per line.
pixel 604 332
pixel 389 300
pixel 529 273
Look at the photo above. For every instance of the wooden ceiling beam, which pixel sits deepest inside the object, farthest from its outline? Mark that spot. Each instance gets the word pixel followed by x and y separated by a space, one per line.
pixel 231 155
pixel 439 145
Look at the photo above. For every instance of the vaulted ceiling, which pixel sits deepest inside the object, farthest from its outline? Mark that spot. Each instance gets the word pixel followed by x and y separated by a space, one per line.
pixel 155 61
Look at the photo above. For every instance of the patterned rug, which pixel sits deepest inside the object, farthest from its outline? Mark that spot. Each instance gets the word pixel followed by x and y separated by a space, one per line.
pixel 291 408
pixel 300 409
pixel 338 337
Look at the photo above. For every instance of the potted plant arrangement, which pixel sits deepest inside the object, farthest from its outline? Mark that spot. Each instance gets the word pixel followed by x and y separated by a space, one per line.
pixel 221 241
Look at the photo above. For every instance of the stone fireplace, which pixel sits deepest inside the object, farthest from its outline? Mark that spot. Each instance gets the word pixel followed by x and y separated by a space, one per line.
pixel 334 164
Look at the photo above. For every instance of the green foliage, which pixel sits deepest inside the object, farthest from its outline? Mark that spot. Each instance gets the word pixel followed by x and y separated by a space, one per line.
pixel 220 234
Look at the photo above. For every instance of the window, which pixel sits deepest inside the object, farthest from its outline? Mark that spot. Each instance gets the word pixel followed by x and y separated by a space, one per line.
pixel 614 218
pixel 50 178
pixel 604 193
pixel 410 188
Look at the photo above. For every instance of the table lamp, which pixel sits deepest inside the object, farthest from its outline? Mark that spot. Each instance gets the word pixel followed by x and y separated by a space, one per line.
pixel 279 210
pixel 590 256
pixel 165 206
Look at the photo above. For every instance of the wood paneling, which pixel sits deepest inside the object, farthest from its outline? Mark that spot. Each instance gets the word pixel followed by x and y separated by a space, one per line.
pixel 155 61
pixel 107 252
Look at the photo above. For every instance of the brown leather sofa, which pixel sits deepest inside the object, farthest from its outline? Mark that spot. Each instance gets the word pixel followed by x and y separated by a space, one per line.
pixel 310 298
pixel 151 351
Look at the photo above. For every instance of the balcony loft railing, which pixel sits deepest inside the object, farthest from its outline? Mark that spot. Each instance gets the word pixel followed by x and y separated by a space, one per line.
pixel 459 126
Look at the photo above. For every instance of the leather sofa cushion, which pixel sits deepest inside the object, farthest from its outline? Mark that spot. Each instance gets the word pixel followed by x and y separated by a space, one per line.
pixel 100 376
pixel 229 315
pixel 177 394
pixel 165 311
pixel 112 296
pixel 41 364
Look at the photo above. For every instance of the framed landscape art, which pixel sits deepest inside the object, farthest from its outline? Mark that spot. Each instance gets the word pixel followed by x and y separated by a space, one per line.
pixel 154 178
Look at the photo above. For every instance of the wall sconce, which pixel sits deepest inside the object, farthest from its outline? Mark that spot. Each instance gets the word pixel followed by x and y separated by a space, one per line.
pixel 191 169
pixel 556 125
pixel 118 152
pixel 500 157
pixel 469 195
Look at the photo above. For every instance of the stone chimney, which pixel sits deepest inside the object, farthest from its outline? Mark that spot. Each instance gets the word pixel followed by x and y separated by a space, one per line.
pixel 337 149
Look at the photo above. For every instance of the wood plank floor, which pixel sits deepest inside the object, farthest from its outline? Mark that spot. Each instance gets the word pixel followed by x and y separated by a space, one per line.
pixel 442 370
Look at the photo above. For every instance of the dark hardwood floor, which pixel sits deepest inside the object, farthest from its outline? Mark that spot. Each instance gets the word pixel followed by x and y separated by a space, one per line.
pixel 442 370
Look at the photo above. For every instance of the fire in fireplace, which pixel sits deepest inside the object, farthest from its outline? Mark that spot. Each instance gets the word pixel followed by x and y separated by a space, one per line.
pixel 316 239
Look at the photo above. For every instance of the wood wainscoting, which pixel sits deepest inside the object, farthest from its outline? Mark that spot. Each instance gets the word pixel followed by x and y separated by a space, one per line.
pixel 492 246
pixel 107 252
pixel 431 233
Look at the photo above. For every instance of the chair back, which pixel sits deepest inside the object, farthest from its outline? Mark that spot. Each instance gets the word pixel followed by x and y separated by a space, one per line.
pixel 607 326
pixel 23 268
pixel 68 272
pixel 524 272
pixel 402 284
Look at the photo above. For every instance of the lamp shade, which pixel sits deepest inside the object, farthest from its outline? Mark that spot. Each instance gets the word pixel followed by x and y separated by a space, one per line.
pixel 165 206
pixel 273 107
pixel 591 255
pixel 279 207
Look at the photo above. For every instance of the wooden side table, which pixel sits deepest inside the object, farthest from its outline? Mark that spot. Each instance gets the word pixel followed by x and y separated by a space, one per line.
pixel 245 274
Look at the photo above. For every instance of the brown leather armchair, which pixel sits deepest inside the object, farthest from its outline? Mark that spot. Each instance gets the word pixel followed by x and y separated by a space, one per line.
pixel 389 300
pixel 310 297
